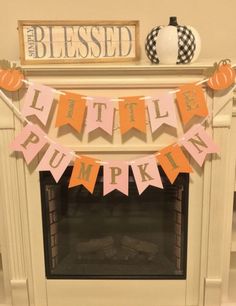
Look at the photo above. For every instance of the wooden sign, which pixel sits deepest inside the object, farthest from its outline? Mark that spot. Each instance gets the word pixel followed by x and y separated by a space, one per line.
pixel 48 42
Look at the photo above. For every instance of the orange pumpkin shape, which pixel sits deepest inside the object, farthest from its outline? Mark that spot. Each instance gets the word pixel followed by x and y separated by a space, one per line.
pixel 223 76
pixel 10 77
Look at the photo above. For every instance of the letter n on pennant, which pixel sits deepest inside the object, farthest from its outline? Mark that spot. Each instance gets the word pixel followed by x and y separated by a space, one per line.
pixel 191 102
pixel 71 110
pixel 198 143
pixel 173 162
pixel 55 160
pixel 85 172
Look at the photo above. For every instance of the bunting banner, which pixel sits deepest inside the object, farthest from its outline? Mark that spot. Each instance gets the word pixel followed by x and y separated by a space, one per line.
pixel 146 173
pixel 132 114
pixel 161 110
pixel 85 172
pixel 38 102
pixel 100 114
pixel 71 111
pixel 85 113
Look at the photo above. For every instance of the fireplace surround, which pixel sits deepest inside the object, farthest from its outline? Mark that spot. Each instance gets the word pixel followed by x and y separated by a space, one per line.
pixel 24 243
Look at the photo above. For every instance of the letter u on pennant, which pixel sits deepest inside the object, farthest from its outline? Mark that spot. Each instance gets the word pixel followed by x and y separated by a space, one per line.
pixel 85 172
pixel 55 160
pixel 132 114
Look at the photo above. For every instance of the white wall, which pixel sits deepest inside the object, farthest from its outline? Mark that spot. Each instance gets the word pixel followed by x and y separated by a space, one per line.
pixel 215 20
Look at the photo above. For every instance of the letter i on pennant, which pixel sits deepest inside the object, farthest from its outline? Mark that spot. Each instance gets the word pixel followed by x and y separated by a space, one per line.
pixel 198 143
pixel 55 160
pixel 173 162
pixel 38 102
pixel 85 172
pixel 71 110
pixel 191 102
pixel 132 114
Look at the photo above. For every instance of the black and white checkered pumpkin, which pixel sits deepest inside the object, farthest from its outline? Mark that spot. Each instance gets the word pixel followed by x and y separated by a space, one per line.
pixel 173 44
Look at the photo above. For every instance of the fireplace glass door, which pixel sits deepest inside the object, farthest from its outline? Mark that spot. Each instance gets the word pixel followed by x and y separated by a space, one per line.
pixel 91 236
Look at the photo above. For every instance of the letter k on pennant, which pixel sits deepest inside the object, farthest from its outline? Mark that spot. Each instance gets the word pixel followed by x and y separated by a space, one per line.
pixel 85 173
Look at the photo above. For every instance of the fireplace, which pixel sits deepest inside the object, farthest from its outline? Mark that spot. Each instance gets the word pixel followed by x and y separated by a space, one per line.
pixel 114 236
pixel 167 247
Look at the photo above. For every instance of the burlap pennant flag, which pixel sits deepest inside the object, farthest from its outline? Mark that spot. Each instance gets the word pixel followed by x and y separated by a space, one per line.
pixel 38 102
pixel 132 114
pixel 55 160
pixel 198 143
pixel 71 110
pixel 146 173
pixel 85 172
pixel 173 162
pixel 191 102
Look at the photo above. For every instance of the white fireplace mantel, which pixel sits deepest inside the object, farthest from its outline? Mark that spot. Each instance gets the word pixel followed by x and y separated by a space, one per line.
pixel 211 200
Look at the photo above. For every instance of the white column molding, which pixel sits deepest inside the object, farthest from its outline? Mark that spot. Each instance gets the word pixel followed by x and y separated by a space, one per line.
pixel 212 292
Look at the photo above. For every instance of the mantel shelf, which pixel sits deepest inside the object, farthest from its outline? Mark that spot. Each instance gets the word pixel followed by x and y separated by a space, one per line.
pixel 133 68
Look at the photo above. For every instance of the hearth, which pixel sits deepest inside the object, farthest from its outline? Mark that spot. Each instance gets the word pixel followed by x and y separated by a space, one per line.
pixel 114 236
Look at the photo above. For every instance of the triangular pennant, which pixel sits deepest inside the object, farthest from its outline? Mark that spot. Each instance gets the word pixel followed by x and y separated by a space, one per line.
pixel 198 143
pixel 71 110
pixel 116 176
pixel 85 172
pixel 29 141
pixel 173 162
pixel 191 102
pixel 132 114
pixel 100 114
pixel 38 102
pixel 146 173
pixel 161 110
pixel 55 160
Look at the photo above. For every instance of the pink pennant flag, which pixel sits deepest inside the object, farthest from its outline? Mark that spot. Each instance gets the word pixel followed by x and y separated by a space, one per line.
pixel 100 114
pixel 198 143
pixel 38 102
pixel 161 110
pixel 30 141
pixel 116 176
pixel 146 173
pixel 55 160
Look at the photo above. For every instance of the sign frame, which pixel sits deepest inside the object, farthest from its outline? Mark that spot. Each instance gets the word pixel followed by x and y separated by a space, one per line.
pixel 70 24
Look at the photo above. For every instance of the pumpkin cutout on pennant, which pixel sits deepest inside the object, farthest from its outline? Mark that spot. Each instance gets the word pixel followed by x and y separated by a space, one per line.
pixel 10 76
pixel 221 76
pixel 173 44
